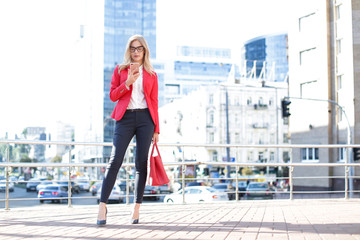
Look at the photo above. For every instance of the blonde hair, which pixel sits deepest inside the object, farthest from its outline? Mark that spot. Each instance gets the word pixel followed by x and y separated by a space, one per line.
pixel 146 59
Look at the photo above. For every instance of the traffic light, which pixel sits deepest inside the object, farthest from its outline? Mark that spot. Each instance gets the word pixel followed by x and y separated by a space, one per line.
pixel 285 107
pixel 356 154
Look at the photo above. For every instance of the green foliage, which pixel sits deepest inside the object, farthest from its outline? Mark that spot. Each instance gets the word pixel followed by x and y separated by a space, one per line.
pixel 26 159
pixel 56 159
pixel 246 171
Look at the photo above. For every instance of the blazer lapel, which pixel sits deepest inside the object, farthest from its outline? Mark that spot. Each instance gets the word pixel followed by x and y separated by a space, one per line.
pixel 146 81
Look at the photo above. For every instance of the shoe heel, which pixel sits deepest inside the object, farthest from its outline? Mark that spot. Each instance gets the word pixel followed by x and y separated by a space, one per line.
pixel 102 222
pixel 134 221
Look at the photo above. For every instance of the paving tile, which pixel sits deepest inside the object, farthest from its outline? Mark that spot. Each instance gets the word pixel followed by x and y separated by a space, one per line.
pixel 277 219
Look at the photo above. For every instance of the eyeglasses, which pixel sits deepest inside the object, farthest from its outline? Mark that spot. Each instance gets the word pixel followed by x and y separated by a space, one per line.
pixel 139 49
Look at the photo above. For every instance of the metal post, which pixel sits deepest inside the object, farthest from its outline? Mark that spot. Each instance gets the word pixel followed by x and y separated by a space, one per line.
pixel 127 186
pixel 183 175
pixel 237 179
pixel 346 176
pixel 69 183
pixel 7 179
pixel 291 182
pixel 227 131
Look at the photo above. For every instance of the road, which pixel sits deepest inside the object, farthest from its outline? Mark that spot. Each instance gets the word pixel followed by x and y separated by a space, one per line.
pixel 20 193
pixel 88 199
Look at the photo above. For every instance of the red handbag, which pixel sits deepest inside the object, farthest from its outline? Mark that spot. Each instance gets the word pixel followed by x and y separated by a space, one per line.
pixel 158 175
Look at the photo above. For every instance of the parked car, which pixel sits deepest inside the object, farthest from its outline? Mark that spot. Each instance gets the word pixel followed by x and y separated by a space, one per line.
pixel 95 187
pixel 166 188
pixel 53 192
pixel 241 187
pixel 225 187
pixel 75 188
pixel 84 184
pixel 116 195
pixel 150 192
pixel 258 190
pixel 197 194
pixel 21 180
pixel 33 182
pixel 122 186
pixel 192 184
pixel 42 185
pixel 3 186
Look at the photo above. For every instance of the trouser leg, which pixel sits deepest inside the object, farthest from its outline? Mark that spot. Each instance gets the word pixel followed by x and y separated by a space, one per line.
pixel 144 133
pixel 124 131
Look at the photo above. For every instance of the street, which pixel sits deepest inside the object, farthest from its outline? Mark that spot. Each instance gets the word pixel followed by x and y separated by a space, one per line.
pixel 20 193
pixel 88 199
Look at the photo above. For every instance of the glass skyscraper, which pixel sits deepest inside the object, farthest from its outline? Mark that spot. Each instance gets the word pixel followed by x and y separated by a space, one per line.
pixel 271 49
pixel 123 18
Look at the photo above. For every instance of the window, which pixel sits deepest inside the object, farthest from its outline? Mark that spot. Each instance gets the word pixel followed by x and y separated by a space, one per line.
pixel 286 156
pixel 211 137
pixel 249 101
pixel 306 23
pixel 338 46
pixel 237 122
pixel 308 57
pixel 211 118
pixel 172 89
pixel 309 154
pixel 237 137
pixel 261 157
pixel 338 11
pixel 340 81
pixel 261 101
pixel 250 156
pixel 342 152
pixel 215 156
pixel 211 99
pixel 272 156
pixel 341 117
pixel 285 138
pixel 271 100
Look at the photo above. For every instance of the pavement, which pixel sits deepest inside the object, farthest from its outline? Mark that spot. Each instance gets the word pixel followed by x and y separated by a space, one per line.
pixel 262 219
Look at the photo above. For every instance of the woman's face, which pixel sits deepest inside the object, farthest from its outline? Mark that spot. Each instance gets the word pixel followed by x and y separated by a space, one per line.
pixel 137 52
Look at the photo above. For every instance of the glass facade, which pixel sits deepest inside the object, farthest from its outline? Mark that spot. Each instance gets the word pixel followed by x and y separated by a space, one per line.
pixel 123 18
pixel 271 49
pixel 201 68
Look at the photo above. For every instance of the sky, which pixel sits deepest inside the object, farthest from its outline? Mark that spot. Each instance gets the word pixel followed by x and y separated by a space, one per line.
pixel 34 48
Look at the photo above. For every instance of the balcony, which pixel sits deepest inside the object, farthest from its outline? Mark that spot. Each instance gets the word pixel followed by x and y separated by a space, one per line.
pixel 260 125
pixel 260 106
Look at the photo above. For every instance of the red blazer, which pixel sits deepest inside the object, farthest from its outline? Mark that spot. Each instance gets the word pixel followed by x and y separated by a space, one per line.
pixel 119 93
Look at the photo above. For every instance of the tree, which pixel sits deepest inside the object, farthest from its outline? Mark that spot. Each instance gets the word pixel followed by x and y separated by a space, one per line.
pixel 56 159
pixel 246 171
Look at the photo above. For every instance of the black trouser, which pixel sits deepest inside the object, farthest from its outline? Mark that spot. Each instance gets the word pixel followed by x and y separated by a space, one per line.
pixel 137 123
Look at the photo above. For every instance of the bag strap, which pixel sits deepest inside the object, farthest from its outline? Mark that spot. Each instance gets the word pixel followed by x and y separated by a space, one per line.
pixel 157 149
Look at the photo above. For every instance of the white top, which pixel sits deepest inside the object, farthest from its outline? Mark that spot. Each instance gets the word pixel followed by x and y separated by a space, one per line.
pixel 137 99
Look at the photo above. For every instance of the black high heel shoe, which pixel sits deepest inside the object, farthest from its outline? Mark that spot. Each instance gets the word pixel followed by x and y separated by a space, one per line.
pixel 134 221
pixel 102 222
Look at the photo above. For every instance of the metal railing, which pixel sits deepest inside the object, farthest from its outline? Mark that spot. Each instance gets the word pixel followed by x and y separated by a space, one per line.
pixel 7 165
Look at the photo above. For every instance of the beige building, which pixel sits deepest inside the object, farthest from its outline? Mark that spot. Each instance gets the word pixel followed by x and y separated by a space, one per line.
pixel 323 65
pixel 254 117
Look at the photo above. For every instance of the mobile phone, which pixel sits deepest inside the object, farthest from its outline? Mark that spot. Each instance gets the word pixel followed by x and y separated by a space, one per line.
pixel 134 67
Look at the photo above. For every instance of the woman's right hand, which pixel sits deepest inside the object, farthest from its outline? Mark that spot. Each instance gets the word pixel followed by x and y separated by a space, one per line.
pixel 132 78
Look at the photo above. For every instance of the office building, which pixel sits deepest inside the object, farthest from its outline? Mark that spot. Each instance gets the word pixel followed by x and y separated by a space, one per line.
pixel 324 65
pixel 266 57
pixel 123 18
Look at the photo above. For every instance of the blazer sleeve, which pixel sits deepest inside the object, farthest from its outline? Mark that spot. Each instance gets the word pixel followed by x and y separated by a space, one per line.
pixel 118 87
pixel 155 103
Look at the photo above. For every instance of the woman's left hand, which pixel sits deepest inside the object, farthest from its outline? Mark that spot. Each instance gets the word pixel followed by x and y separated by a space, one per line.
pixel 155 137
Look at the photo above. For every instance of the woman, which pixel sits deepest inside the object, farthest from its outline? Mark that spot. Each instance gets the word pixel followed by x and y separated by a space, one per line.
pixel 134 87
